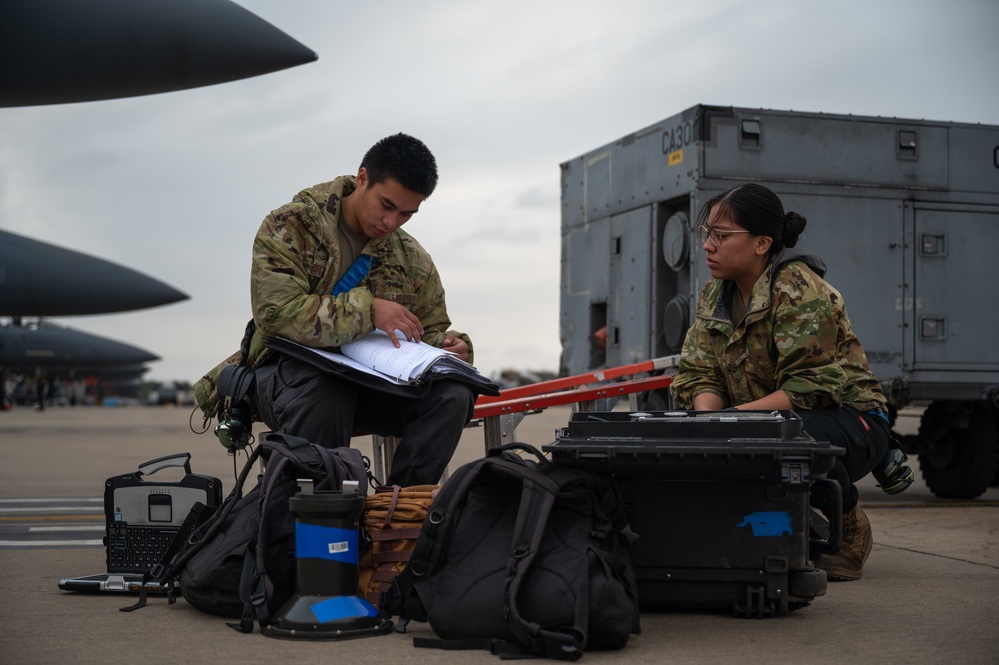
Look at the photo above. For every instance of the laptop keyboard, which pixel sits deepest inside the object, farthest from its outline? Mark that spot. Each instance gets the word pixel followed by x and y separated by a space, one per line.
pixel 134 549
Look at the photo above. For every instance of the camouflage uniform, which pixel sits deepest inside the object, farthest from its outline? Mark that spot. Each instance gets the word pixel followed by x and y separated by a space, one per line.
pixel 295 258
pixel 795 337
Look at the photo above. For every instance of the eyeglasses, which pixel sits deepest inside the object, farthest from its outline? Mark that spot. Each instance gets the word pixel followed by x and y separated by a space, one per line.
pixel 716 235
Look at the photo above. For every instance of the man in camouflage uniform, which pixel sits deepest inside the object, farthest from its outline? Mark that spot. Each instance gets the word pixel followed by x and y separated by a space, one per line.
pixel 784 342
pixel 330 267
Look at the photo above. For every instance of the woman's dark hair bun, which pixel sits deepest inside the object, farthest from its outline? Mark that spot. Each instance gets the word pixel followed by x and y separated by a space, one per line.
pixel 794 224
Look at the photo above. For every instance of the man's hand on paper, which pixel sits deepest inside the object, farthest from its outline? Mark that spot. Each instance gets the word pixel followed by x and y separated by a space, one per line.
pixel 456 345
pixel 392 318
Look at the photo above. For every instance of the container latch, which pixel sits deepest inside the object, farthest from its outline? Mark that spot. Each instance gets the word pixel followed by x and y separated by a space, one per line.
pixel 794 472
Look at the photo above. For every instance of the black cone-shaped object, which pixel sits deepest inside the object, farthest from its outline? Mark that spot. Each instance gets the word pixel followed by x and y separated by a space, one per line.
pixel 326 605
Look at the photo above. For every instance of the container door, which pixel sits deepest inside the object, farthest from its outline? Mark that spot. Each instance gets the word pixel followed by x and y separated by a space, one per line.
pixel 956 273
pixel 629 304
pixel 861 241
pixel 583 308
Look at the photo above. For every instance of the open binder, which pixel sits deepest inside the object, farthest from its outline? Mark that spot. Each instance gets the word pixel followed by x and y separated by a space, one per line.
pixel 373 361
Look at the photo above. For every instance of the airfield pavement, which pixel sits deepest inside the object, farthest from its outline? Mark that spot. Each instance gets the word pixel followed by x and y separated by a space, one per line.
pixel 930 592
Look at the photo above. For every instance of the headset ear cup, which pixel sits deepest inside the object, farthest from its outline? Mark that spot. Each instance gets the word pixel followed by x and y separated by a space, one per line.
pixel 235 413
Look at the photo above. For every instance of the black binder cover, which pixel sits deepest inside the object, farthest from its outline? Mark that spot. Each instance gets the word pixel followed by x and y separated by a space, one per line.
pixel 373 381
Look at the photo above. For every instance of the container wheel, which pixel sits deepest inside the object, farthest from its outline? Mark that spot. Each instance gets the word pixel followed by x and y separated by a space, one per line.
pixel 805 585
pixel 960 455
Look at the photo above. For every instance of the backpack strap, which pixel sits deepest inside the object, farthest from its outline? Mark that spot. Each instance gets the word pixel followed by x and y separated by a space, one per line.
pixel 246 578
pixel 158 572
pixel 538 495
pixel 255 587
pixel 536 502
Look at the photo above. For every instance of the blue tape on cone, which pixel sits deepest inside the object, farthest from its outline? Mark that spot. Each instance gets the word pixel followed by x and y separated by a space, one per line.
pixel 322 542
pixel 343 607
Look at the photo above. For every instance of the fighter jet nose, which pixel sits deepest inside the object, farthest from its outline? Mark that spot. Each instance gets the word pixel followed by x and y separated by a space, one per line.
pixel 63 51
pixel 39 279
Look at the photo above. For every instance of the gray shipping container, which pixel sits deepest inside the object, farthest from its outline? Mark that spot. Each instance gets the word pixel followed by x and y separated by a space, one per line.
pixel 904 212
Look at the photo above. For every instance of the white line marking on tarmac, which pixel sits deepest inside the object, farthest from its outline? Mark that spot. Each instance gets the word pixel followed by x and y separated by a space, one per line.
pixel 50 543
pixel 53 509
pixel 52 498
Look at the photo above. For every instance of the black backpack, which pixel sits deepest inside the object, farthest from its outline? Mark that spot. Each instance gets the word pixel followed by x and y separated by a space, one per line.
pixel 521 557
pixel 239 561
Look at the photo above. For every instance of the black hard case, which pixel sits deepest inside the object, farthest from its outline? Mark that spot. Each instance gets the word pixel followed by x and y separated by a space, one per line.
pixel 719 500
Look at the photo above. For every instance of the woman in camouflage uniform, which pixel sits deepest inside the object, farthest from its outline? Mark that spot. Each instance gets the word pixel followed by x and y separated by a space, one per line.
pixel 770 334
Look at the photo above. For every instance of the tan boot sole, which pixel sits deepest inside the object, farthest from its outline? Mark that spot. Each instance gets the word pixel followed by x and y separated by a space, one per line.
pixel 843 575
pixel 837 570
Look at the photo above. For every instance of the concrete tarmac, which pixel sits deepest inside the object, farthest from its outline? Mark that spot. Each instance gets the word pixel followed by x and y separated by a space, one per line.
pixel 930 591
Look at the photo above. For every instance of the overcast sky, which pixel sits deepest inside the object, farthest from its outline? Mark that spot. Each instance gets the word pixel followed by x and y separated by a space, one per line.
pixel 175 185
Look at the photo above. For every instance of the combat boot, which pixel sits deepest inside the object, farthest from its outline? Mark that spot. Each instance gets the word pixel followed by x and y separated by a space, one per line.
pixel 848 564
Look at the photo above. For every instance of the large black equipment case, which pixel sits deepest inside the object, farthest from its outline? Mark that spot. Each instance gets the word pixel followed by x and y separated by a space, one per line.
pixel 720 503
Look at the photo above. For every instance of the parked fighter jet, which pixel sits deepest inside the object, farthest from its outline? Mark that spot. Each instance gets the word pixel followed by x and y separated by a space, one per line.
pixel 60 51
pixel 61 350
pixel 64 51
pixel 41 353
pixel 39 279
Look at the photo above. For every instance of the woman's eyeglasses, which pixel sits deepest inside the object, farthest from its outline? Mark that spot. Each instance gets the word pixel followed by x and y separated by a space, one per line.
pixel 716 235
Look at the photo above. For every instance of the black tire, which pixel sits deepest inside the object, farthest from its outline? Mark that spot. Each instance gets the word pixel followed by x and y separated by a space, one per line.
pixel 804 585
pixel 960 458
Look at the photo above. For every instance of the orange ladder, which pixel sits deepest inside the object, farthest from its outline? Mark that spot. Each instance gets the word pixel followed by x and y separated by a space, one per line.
pixel 499 415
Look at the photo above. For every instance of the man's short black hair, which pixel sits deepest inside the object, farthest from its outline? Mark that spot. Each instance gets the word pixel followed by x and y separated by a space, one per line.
pixel 405 159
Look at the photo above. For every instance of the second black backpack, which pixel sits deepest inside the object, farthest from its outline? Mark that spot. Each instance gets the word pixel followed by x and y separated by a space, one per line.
pixel 522 557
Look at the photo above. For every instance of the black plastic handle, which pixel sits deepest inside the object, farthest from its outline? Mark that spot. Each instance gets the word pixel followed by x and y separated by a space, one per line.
pixel 154 465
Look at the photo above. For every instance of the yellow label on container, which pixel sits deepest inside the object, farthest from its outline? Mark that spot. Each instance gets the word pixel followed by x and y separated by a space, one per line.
pixel 675 158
